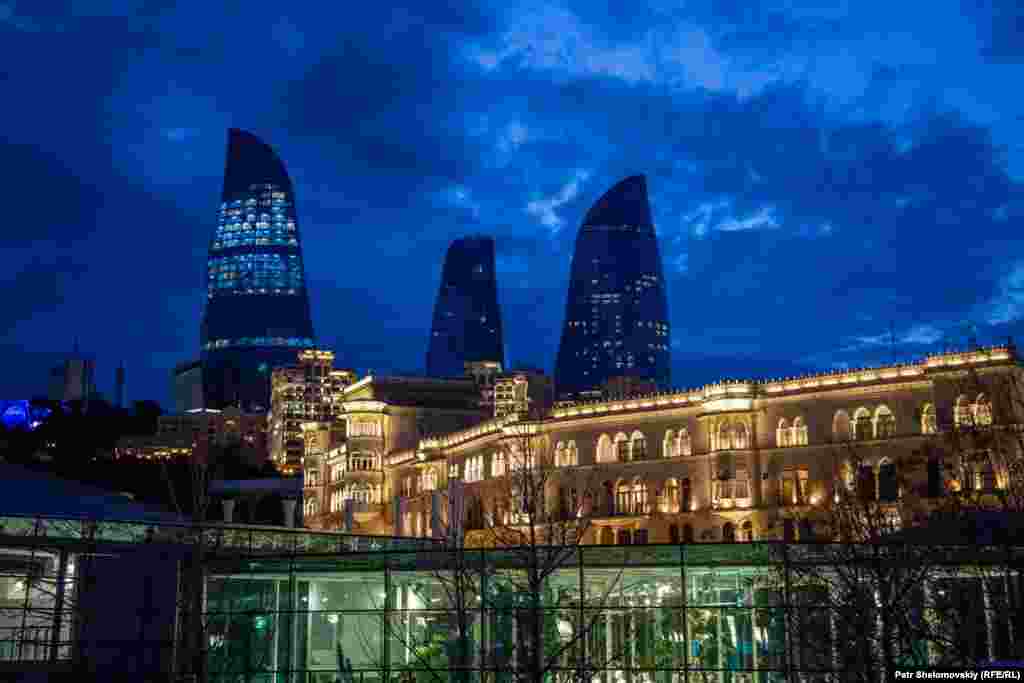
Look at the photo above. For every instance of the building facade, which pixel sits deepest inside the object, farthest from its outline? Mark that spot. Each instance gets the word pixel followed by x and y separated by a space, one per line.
pixel 730 461
pixel 523 392
pixel 257 305
pixel 347 468
pixel 467 320
pixel 307 390
pixel 616 313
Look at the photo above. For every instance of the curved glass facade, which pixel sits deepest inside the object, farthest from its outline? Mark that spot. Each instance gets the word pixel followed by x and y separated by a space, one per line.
pixel 616 314
pixel 257 305
pixel 467 320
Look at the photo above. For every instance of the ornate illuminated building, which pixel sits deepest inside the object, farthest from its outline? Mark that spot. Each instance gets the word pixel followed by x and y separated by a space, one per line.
pixel 347 463
pixel 729 461
pixel 307 390
pixel 467 320
pixel 616 313
pixel 257 310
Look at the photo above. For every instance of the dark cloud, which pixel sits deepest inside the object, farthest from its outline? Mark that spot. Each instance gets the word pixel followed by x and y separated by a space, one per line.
pixel 845 196
pixel 1001 26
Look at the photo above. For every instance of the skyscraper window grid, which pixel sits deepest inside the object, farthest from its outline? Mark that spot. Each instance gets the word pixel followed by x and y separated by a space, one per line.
pixel 617 311
pixel 257 305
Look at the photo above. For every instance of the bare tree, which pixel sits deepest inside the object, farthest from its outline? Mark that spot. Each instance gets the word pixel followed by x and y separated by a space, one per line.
pixel 979 462
pixel 854 598
pixel 508 577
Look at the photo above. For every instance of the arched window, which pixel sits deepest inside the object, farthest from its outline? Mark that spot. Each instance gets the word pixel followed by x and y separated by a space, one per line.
pixel 685 444
pixel 571 455
pixel 988 477
pixel 559 454
pixel 670 447
pixel 639 497
pixel 624 498
pixel 782 436
pixel 866 489
pixel 474 469
pixel 968 476
pixel 605 450
pixel 888 485
pixel 929 423
pixel 729 532
pixel 936 485
pixel 982 411
pixel 962 412
pixel 625 537
pixel 740 436
pixel 841 426
pixel 638 446
pixel 687 533
pixel 498 464
pixel 862 427
pixel 799 432
pixel 724 437
pixel 670 499
pixel 621 447
pixel 748 531
pixel 885 423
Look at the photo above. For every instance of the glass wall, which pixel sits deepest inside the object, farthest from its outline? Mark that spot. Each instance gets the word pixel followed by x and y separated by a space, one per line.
pixel 640 614
pixel 37 593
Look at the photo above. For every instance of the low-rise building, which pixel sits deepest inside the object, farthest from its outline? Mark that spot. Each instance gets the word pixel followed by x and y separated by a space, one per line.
pixel 194 433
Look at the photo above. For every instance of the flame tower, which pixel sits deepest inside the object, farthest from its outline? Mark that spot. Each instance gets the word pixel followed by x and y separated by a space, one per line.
pixel 257 307
pixel 467 320
pixel 616 315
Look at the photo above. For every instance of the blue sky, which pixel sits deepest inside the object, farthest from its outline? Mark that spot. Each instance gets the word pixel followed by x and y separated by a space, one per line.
pixel 818 171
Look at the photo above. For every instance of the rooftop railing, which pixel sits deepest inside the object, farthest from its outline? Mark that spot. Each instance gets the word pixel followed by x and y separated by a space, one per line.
pixel 230 538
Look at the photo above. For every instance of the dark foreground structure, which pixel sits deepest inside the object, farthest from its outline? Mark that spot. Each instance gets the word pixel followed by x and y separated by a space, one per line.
pixel 467 320
pixel 257 309
pixel 108 599
pixel 616 313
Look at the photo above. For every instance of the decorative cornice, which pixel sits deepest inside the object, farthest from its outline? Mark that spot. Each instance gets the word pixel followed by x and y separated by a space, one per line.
pixel 783 386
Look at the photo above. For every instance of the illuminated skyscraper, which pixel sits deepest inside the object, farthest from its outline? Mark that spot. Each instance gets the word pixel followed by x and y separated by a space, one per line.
pixel 257 307
pixel 467 320
pixel 616 315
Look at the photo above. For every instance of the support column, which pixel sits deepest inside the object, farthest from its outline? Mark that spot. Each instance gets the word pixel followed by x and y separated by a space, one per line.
pixel 609 647
pixel 927 617
pixel 990 627
pixel 632 633
pixel 288 505
pixel 1011 602
pixel 833 625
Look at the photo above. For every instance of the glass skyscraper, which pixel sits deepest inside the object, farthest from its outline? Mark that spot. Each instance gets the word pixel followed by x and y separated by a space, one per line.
pixel 257 308
pixel 616 315
pixel 467 320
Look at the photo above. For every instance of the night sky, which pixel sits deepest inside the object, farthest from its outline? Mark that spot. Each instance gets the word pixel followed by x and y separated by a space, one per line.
pixel 817 172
